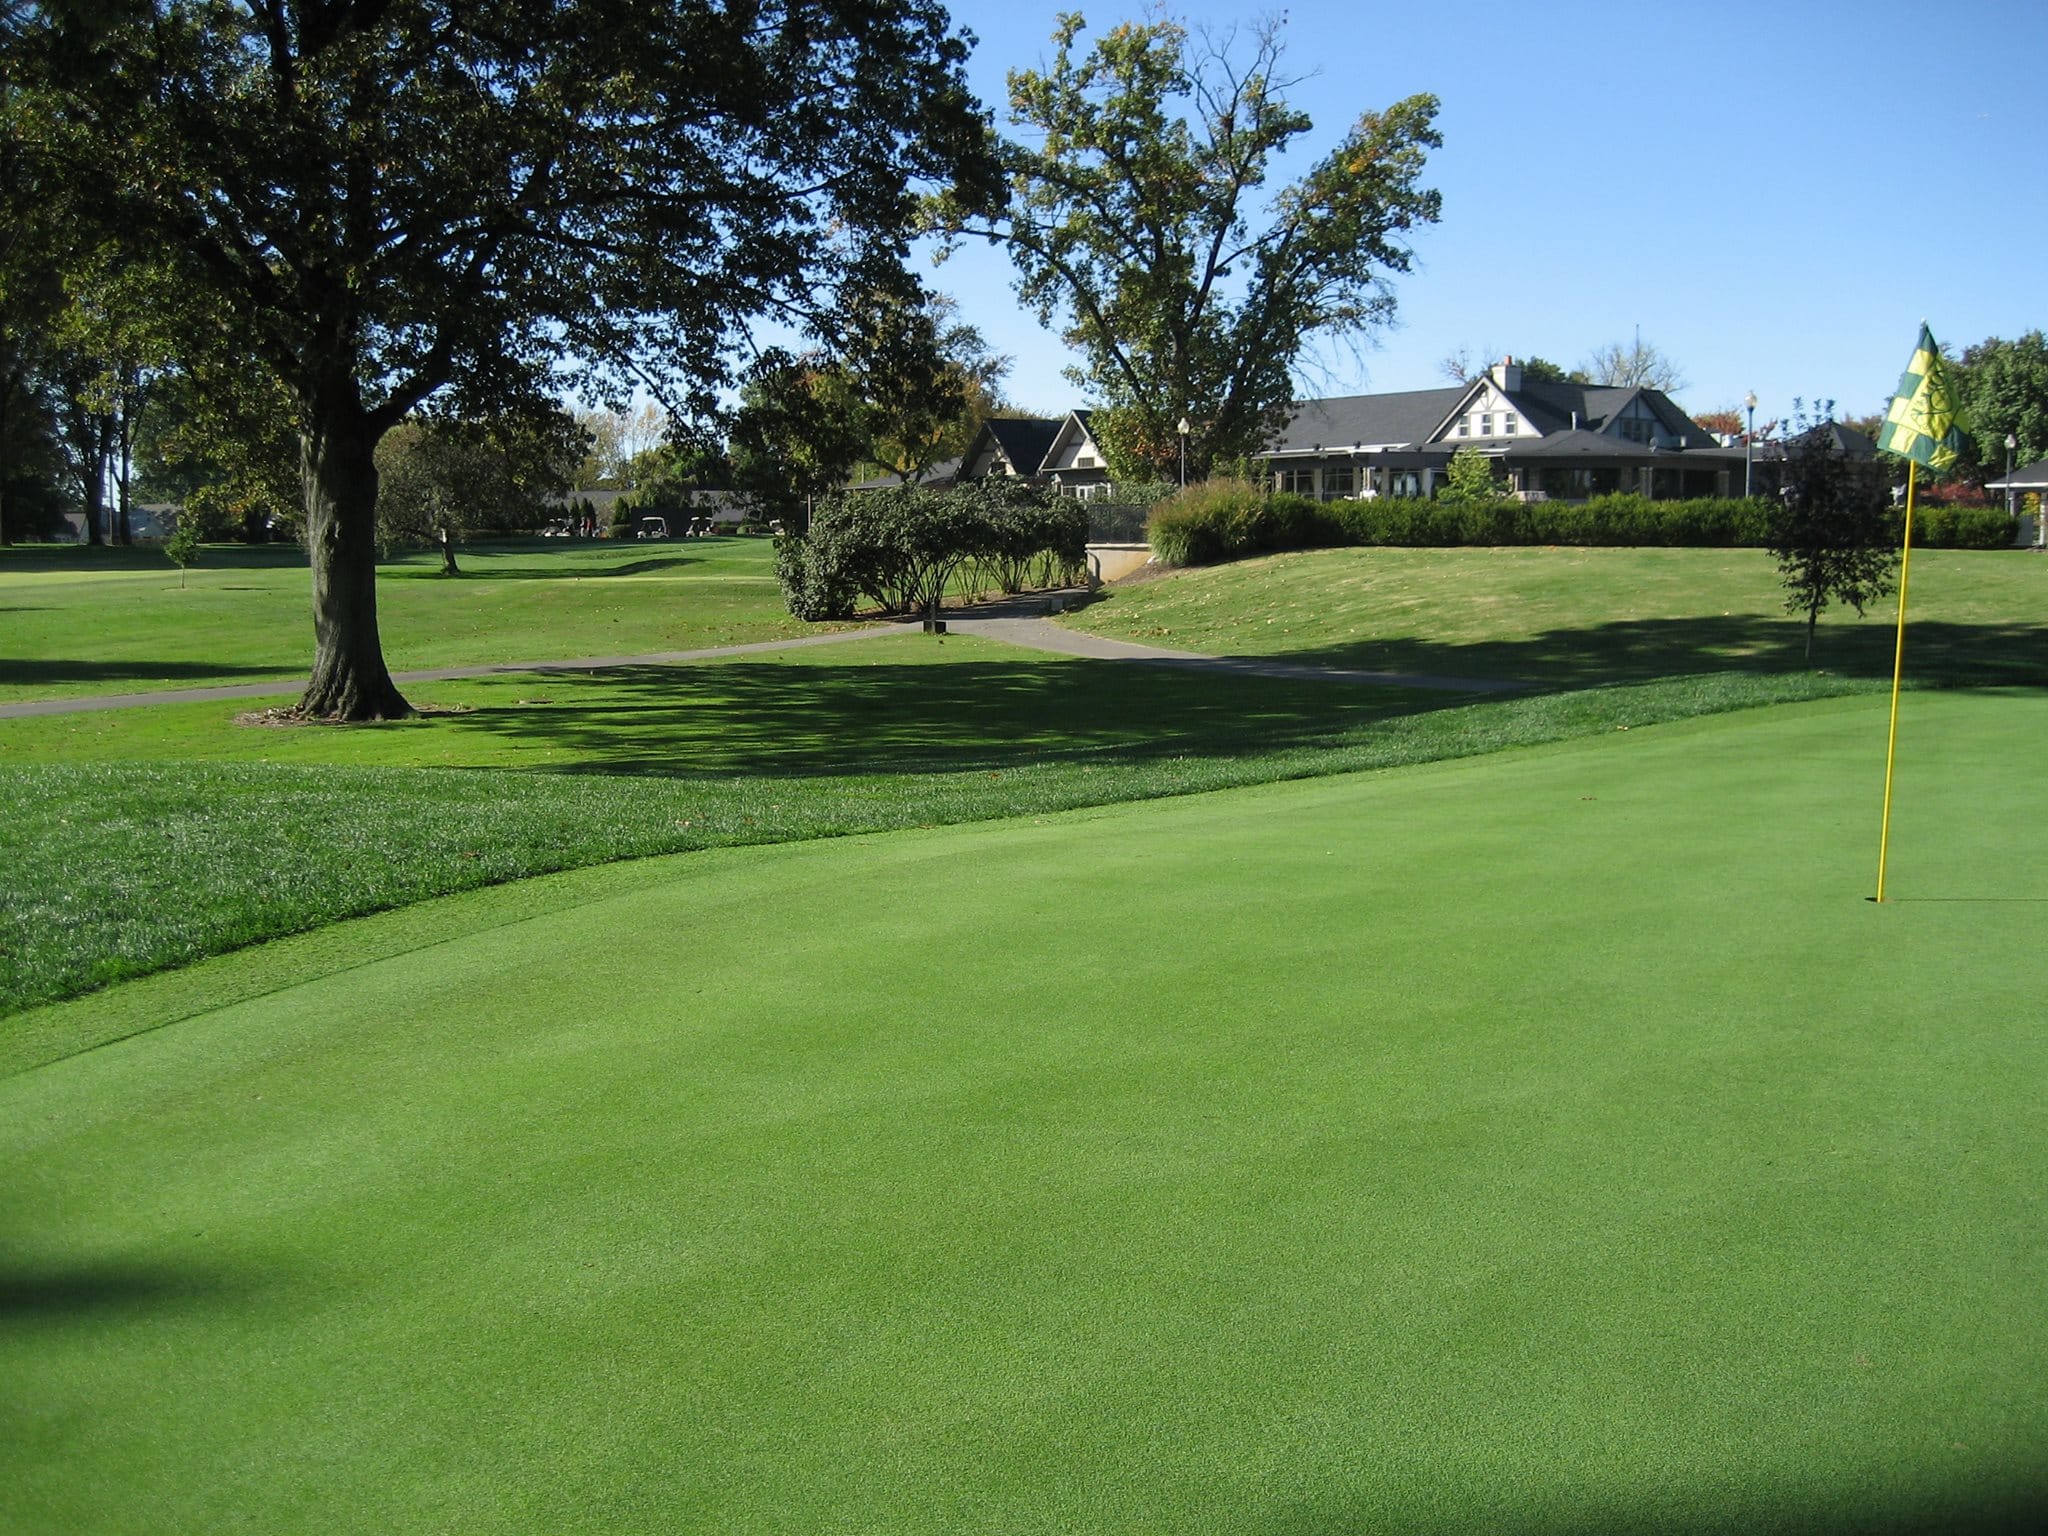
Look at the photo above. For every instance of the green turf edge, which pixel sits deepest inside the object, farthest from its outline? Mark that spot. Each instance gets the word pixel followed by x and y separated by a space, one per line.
pixel 53 1031
pixel 836 807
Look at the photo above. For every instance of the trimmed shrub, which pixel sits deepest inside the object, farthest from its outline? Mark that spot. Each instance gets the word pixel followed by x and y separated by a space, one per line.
pixel 899 548
pixel 1229 519
pixel 813 586
pixel 1956 527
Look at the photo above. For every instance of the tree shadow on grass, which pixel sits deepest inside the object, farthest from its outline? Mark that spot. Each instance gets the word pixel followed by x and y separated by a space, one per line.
pixel 1644 650
pixel 32 1295
pixel 150 557
pixel 1989 1501
pixel 810 719
pixel 478 563
pixel 822 717
pixel 44 671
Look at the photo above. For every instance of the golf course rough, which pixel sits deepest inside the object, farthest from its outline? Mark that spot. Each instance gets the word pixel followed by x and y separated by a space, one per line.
pixel 1552 1140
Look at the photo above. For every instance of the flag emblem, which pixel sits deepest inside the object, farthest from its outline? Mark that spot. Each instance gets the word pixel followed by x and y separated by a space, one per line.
pixel 1923 423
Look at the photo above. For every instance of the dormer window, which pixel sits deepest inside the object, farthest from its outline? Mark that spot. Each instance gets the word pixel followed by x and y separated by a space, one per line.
pixel 1464 426
pixel 1507 424
pixel 1486 424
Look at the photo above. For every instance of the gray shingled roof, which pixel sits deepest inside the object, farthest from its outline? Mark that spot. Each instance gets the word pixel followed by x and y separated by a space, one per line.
pixel 939 476
pixel 1847 441
pixel 1025 440
pixel 1407 416
pixel 1582 443
pixel 1410 416
pixel 2028 477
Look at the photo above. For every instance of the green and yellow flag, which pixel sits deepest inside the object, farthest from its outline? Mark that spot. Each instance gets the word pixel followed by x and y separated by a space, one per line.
pixel 1924 424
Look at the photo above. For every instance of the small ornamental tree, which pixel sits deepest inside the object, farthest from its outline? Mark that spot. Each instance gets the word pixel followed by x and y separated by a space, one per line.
pixel 1469 479
pixel 1830 530
pixel 183 545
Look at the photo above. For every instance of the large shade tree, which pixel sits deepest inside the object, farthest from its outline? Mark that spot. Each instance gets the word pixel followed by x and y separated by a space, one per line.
pixel 473 203
pixel 1139 219
pixel 2003 389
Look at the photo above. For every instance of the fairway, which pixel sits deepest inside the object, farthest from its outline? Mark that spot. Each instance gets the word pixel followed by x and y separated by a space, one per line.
pixel 1554 1140
pixel 79 622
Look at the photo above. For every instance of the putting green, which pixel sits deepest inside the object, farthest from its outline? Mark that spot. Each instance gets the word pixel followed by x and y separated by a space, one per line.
pixel 1551 1140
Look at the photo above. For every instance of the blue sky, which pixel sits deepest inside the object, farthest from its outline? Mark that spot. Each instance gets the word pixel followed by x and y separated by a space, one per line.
pixel 1776 195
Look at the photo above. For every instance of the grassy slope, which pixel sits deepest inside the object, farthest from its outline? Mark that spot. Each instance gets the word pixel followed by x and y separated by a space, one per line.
pixel 1584 617
pixel 126 853
pixel 110 621
pixel 116 870
pixel 1543 1142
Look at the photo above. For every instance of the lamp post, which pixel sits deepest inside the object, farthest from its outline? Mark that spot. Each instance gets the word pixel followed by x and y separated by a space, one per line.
pixel 1748 441
pixel 2011 443
pixel 1184 429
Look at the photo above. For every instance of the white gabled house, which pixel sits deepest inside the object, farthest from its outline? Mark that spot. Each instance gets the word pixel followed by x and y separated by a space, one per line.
pixel 1060 451
pixel 1547 439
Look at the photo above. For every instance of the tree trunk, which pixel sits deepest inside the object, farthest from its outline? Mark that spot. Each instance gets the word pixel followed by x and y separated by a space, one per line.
pixel 337 463
pixel 95 505
pixel 6 396
pixel 124 526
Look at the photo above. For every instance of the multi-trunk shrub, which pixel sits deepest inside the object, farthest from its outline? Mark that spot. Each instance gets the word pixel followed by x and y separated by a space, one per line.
pixel 900 549
pixel 1229 519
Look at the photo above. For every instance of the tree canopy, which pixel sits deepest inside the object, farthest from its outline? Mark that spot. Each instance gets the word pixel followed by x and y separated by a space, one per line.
pixel 1137 220
pixel 479 202
pixel 1636 364
pixel 1829 527
pixel 2003 389
pixel 441 480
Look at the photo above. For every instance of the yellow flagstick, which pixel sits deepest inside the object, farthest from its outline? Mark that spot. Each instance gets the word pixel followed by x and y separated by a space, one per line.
pixel 1884 836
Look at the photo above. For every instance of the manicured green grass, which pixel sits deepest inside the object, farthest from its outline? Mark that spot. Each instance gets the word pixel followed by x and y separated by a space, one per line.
pixel 870 735
pixel 1550 1141
pixel 149 837
pixel 115 621
pixel 1584 617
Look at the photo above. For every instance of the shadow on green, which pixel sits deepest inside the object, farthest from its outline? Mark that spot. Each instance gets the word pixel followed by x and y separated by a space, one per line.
pixel 2002 654
pixel 45 671
pixel 814 718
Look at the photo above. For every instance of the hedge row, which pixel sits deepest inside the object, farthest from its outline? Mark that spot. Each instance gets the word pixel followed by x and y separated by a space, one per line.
pixel 1229 519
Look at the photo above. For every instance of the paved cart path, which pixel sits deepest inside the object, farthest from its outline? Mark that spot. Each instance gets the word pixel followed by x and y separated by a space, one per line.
pixel 1018 621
